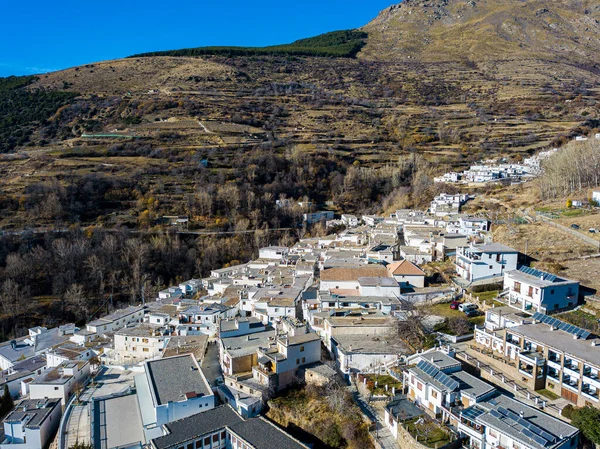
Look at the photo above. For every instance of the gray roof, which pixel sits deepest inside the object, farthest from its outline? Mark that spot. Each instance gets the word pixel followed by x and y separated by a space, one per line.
pixel 109 416
pixel 494 248
pixel 471 386
pixel 247 344
pixel 171 378
pixel 538 278
pixel 230 324
pixel 563 341
pixel 262 434
pixel 321 369
pixel 377 282
pixel 441 360
pixel 554 426
pixel 197 425
pixel 38 409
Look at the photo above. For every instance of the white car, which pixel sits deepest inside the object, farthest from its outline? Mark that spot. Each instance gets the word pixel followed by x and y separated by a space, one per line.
pixel 467 306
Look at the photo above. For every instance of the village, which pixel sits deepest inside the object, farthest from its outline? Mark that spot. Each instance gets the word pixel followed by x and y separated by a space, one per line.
pixel 472 355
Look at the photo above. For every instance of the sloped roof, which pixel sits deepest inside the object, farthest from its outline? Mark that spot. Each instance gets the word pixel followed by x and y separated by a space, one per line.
pixel 405 268
pixel 352 274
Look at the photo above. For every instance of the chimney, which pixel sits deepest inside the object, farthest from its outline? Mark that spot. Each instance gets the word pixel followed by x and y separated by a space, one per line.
pixel 575 337
pixel 594 343
pixel 521 414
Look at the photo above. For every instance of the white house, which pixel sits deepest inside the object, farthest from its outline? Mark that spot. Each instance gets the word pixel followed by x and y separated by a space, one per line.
pixel 170 389
pixel 278 363
pixel 596 196
pixel 364 353
pixel 32 424
pixel 60 382
pixel 534 290
pixel 407 274
pixel 350 220
pixel 273 252
pixel 345 280
pixel 135 344
pixel 116 320
pixel 486 261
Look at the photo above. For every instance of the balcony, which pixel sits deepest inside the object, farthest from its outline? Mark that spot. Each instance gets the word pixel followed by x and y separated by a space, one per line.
pixel 589 391
pixel 570 382
pixel 590 373
pixel 554 375
pixel 554 357
pixel 572 365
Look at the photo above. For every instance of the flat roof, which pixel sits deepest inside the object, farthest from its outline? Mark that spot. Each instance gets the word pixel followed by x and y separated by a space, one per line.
pixel 494 248
pixel 558 339
pixel 374 344
pixel 557 429
pixel 117 422
pixel 440 360
pixel 247 344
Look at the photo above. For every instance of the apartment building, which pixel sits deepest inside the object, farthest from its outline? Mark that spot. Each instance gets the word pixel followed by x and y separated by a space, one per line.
pixel 546 352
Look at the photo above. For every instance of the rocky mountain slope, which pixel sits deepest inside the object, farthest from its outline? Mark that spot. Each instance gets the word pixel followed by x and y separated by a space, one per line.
pixel 486 30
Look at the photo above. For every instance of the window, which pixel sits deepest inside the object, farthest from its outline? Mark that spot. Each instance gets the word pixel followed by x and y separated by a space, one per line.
pixel 55 388
pixel 517 287
pixel 216 438
pixel 198 444
pixel 491 267
pixel 552 291
pixel 190 446
pixel 297 361
pixel 145 349
pixel 434 394
pixel 206 441
pixel 223 435
pixel 419 386
pixel 303 360
pixel 301 348
pixel 144 340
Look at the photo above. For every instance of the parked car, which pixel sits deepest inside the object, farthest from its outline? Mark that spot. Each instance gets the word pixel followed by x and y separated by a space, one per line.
pixel 472 312
pixel 454 305
pixel 467 306
pixel 575 226
pixel 592 230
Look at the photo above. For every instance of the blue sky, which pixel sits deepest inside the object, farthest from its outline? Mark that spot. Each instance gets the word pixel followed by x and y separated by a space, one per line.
pixel 41 36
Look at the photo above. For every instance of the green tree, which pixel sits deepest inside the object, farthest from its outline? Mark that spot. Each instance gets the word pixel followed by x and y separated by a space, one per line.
pixel 586 419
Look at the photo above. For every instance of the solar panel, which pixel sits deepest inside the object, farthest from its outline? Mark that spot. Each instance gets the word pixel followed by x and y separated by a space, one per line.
pixel 472 413
pixel 538 316
pixel 428 368
pixel 513 416
pixel 528 433
pixel 566 327
pixel 503 411
pixel 540 440
pixel 446 381
pixel 495 414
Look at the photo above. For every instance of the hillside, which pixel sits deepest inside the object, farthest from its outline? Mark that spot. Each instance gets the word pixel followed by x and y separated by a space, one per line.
pixel 486 30
pixel 343 44
pixel 450 81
